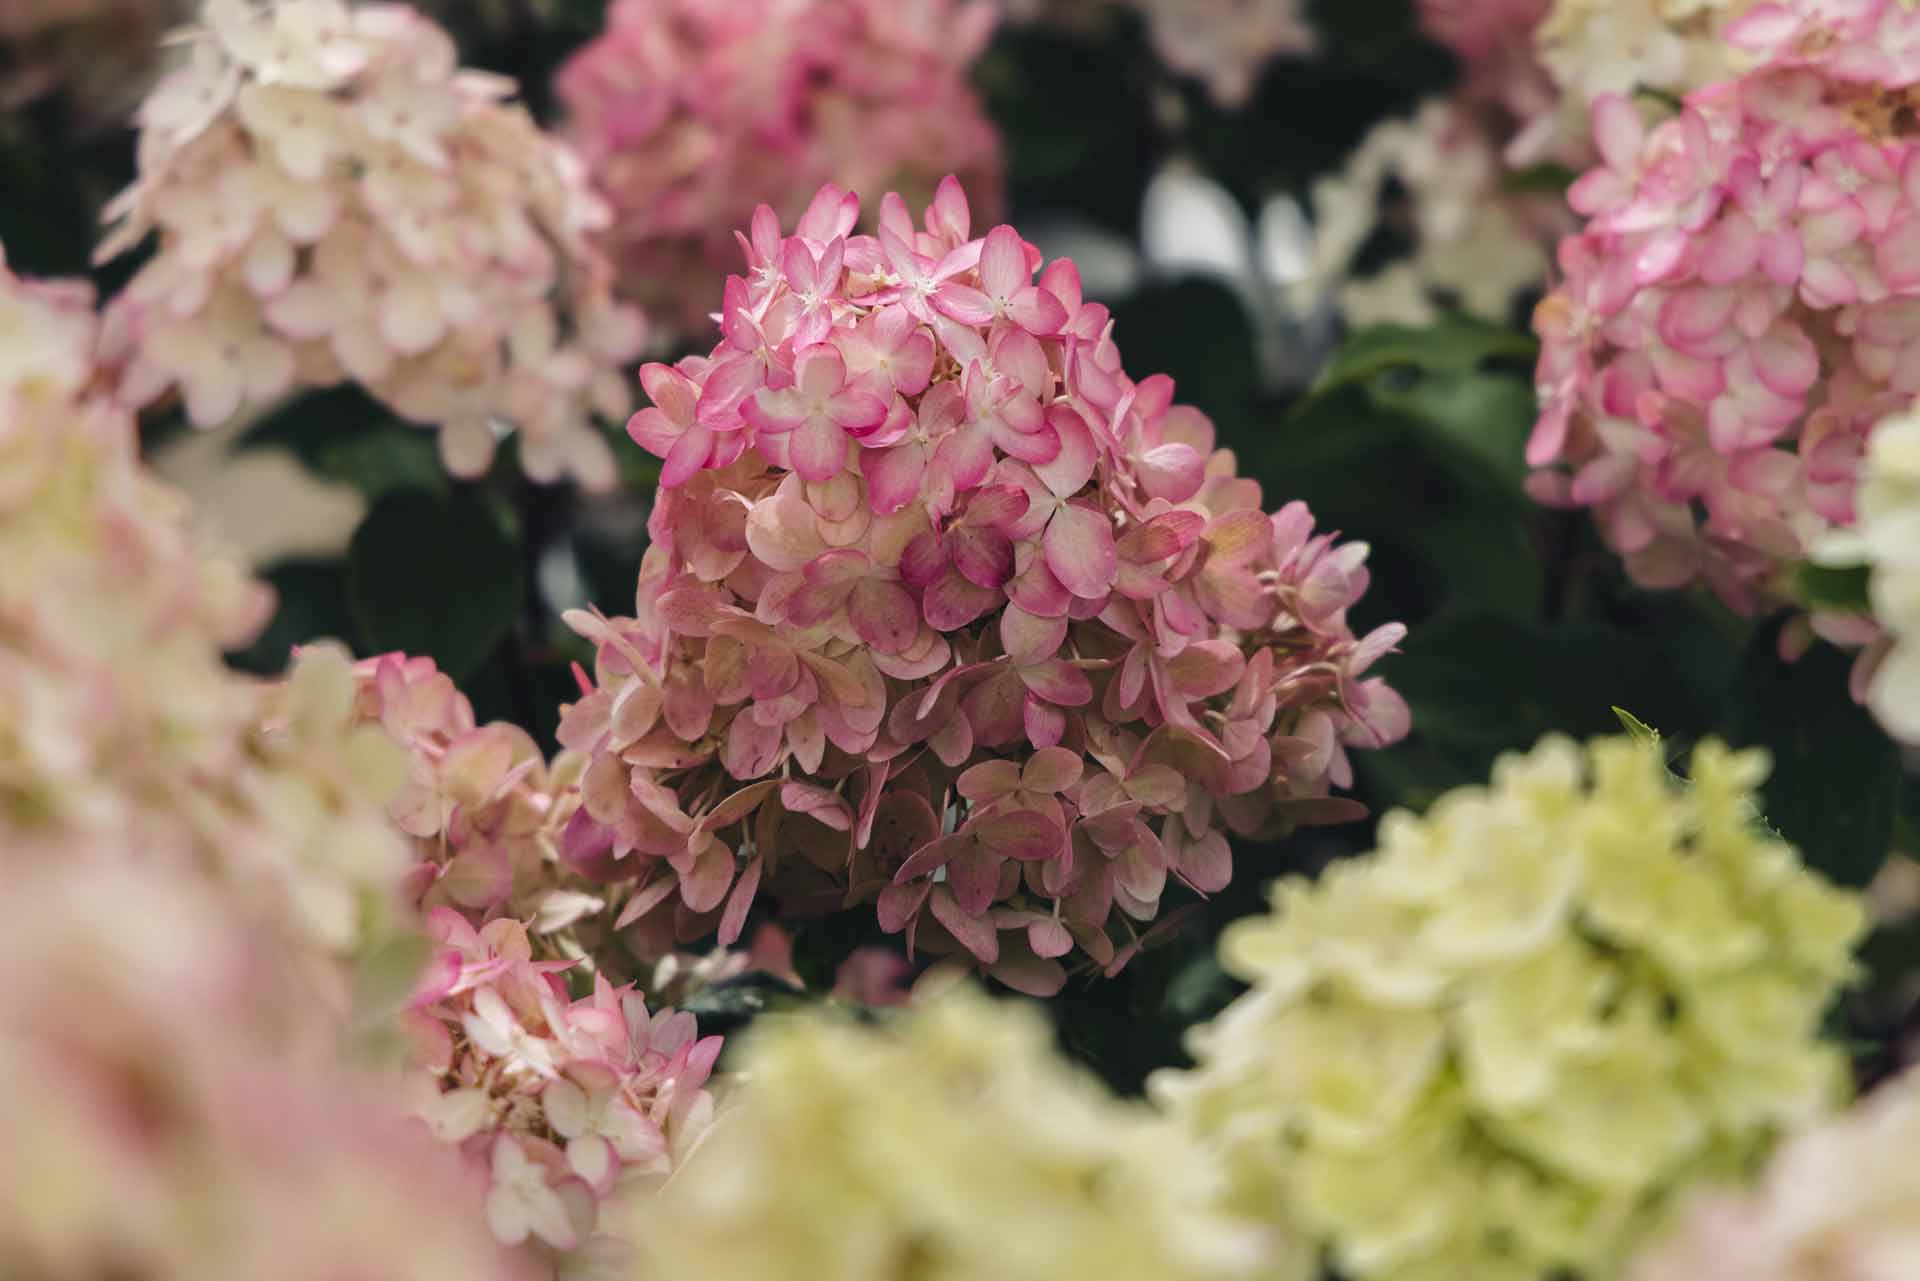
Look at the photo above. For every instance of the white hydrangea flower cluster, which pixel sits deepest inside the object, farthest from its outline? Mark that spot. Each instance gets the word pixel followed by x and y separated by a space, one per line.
pixel 951 1143
pixel 336 199
pixel 1489 1049
pixel 1886 536
pixel 1474 247
pixel 1840 1202
pixel 1596 47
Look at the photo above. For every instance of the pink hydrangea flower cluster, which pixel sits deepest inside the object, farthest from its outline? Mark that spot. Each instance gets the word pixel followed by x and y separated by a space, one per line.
pixel 479 801
pixel 561 1101
pixel 336 199
pixel 946 613
pixel 1742 306
pixel 691 111
pixel 175 1106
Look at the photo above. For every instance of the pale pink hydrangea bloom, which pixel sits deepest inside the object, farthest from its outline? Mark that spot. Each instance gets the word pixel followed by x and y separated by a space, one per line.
pixel 176 1106
pixel 1742 307
pixel 335 199
pixel 691 111
pixel 561 1102
pixel 946 613
pixel 1226 44
pixel 1840 1202
pixel 119 722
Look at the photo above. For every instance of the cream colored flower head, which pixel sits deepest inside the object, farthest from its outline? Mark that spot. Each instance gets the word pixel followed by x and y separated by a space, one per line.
pixel 951 1145
pixel 1491 1048
pixel 1886 537
pixel 336 199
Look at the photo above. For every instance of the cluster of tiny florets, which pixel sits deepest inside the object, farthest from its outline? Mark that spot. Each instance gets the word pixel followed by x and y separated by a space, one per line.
pixel 945 612
pixel 1741 307
pixel 335 199
pixel 952 1141
pixel 691 112
pixel 1494 1046
pixel 120 724
pixel 561 1101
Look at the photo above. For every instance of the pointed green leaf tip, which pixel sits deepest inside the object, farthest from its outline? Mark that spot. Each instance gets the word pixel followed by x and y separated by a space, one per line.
pixel 1637 729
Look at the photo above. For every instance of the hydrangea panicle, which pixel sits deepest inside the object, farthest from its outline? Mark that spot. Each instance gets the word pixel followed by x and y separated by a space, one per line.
pixel 120 723
pixel 953 1141
pixel 1494 1047
pixel 560 1101
pixel 947 614
pixel 687 111
pixel 1733 319
pixel 336 199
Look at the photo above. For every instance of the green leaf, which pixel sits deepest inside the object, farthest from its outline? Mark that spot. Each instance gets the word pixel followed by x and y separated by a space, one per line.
pixel 439 575
pixel 1639 730
pixel 1479 683
pixel 1836 778
pixel 1454 345
pixel 1486 417
pixel 1841 589
pixel 1549 178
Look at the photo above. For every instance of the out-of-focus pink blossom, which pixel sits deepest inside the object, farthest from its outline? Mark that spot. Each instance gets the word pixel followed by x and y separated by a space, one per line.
pixel 178 1105
pixel 336 200
pixel 946 614
pixel 690 111
pixel 1739 310
pixel 123 724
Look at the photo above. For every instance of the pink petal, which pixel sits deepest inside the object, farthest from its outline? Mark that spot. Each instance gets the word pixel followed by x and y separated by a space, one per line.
pixel 974 875
pixel 953 602
pixel 884 614
pixel 1003 263
pixel 976 935
pixel 688 455
pixel 1079 550
pixel 983 556
pixel 819 450
pixel 734 919
pixel 705 886
pixel 751 748
pixel 1027 636
pixel 1037 311
pixel 1026 836
pixel 1059 682
pixel 1049 938
pixel 967 305
pixel 1068 472
pixel 1053 769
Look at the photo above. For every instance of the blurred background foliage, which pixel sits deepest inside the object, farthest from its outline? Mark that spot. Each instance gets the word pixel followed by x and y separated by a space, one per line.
pixel 1410 439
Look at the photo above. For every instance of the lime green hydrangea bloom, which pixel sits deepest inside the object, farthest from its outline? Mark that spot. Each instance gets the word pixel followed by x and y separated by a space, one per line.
pixel 951 1144
pixel 1492 1048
